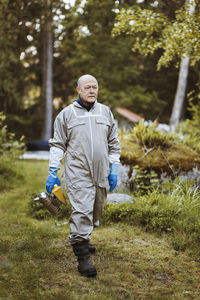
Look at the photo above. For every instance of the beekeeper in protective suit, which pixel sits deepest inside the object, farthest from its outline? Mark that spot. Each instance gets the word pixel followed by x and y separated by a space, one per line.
pixel 87 132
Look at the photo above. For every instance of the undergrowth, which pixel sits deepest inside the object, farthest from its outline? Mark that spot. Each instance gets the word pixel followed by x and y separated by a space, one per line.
pixel 149 136
pixel 38 263
pixel 10 150
pixel 190 127
pixel 173 208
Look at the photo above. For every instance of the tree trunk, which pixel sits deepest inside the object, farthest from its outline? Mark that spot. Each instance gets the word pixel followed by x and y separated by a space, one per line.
pixel 181 85
pixel 47 89
pixel 180 93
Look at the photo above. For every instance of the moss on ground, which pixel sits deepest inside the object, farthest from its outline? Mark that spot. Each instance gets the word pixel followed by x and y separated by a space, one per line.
pixel 174 157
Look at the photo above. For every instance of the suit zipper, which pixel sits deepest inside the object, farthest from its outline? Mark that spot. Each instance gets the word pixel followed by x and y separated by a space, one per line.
pixel 92 149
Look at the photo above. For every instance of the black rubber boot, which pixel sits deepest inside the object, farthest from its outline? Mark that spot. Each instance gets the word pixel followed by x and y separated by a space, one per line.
pixel 81 250
pixel 91 248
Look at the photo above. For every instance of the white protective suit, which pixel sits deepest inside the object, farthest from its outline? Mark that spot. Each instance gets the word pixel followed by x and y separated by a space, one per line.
pixel 91 143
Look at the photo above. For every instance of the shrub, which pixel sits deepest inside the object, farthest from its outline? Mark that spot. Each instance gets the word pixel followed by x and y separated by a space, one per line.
pixel 10 150
pixel 149 136
pixel 144 181
pixel 175 210
pixel 190 129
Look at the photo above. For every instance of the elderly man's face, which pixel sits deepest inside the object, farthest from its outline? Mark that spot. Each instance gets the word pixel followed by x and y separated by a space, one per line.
pixel 88 91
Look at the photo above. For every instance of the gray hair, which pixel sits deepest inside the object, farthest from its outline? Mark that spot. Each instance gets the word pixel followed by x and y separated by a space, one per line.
pixel 82 78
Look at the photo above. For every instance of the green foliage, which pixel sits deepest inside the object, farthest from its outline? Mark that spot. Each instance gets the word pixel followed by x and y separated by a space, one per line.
pixel 174 209
pixel 190 128
pixel 136 98
pixel 125 79
pixel 83 44
pixel 144 181
pixel 144 22
pixel 149 136
pixel 10 150
pixel 17 21
pixel 10 175
pixel 153 30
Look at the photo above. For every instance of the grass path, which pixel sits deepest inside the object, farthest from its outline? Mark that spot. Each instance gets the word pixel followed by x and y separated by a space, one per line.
pixel 37 262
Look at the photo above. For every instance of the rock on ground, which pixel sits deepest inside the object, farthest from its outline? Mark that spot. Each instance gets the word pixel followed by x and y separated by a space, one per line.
pixel 119 198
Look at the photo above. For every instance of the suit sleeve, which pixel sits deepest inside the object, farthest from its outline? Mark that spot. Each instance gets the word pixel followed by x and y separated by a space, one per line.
pixel 113 142
pixel 59 141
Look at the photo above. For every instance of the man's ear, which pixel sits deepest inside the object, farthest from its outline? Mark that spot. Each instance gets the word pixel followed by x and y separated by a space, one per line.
pixel 78 89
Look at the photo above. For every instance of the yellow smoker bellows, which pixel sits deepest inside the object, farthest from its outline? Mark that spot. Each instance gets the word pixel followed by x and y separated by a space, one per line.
pixel 58 193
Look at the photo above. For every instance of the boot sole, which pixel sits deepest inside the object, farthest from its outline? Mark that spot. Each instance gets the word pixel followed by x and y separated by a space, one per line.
pixel 86 274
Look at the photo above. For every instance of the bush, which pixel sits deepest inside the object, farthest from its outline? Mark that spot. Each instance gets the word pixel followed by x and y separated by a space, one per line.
pixel 175 210
pixel 144 181
pixel 190 129
pixel 149 136
pixel 10 150
pixel 149 211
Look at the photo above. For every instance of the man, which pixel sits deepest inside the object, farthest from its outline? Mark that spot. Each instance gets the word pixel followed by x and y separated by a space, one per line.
pixel 87 133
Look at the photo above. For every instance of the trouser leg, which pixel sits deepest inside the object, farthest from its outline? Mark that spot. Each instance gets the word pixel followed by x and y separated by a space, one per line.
pixel 100 198
pixel 81 224
pixel 81 220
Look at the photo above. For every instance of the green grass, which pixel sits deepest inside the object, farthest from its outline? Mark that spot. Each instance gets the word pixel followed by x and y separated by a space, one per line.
pixel 38 263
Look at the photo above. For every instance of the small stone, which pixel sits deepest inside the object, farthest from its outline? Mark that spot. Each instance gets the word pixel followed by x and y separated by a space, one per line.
pixel 119 198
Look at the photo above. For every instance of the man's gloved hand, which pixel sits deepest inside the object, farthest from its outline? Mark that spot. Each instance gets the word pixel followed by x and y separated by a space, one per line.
pixel 113 176
pixel 52 179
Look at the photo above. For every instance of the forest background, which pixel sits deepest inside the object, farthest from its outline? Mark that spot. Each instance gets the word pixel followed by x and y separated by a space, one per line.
pixel 79 39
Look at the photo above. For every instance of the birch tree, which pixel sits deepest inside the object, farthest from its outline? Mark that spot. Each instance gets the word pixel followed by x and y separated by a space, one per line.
pixel 182 83
pixel 47 90
pixel 178 38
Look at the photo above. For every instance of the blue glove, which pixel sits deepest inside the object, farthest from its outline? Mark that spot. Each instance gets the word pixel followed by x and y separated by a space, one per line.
pixel 113 176
pixel 52 179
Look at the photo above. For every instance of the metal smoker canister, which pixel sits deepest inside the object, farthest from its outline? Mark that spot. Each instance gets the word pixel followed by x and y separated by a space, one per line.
pixel 51 203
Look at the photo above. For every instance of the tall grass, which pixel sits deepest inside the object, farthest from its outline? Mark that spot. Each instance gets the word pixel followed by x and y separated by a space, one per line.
pixel 174 210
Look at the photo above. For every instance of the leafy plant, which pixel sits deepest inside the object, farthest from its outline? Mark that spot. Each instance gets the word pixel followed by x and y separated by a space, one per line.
pixel 149 136
pixel 154 30
pixel 190 128
pixel 144 181
pixel 10 150
pixel 174 209
pixel 9 147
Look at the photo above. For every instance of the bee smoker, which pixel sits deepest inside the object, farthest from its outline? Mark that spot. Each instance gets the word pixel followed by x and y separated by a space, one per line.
pixel 52 201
